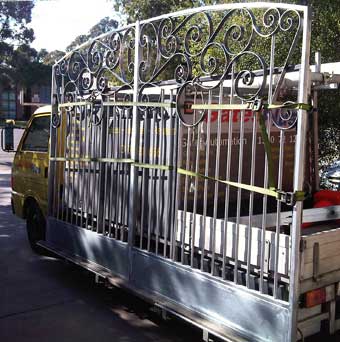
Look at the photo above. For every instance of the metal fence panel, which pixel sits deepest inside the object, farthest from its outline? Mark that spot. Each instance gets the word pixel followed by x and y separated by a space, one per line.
pixel 181 137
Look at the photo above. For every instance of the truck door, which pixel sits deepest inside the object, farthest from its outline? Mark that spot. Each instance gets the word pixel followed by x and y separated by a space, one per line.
pixel 30 169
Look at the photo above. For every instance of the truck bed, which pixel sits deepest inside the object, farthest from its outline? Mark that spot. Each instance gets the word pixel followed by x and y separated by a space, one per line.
pixel 320 257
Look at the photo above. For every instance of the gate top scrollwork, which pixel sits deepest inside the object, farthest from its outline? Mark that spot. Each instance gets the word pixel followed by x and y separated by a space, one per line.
pixel 243 44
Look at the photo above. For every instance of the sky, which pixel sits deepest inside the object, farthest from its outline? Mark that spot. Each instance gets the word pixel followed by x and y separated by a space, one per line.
pixel 57 22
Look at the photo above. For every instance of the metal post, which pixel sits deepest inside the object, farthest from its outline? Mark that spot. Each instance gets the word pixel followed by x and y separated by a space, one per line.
pixel 52 196
pixel 133 200
pixel 316 126
pixel 299 169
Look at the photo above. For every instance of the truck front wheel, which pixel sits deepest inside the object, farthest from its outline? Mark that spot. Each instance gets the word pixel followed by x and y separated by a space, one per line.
pixel 36 227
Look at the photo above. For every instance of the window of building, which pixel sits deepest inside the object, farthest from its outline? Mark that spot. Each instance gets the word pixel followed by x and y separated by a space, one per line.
pixel 8 106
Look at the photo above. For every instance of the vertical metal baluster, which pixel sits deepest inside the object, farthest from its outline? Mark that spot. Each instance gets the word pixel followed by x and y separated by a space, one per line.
pixel 75 170
pixel 112 127
pixel 157 180
pixel 76 166
pixel 73 156
pixel 206 174
pixel 299 173
pixel 145 175
pixel 84 171
pixel 227 176
pixel 197 169
pixel 99 164
pixel 53 166
pixel 80 178
pixel 265 182
pixel 170 216
pixel 117 170
pixel 78 213
pixel 134 153
pixel 161 132
pixel 112 173
pixel 239 195
pixel 118 152
pixel 128 167
pixel 64 139
pixel 89 168
pixel 251 196
pixel 316 185
pixel 96 188
pixel 217 175
pixel 152 178
pixel 66 170
pixel 186 186
pixel 93 172
pixel 98 175
pixel 106 171
pixel 177 184
pixel 167 175
pixel 69 177
pixel 121 174
pixel 65 167
pixel 124 175
pixel 128 155
pixel 69 155
pixel 278 215
pixel 60 166
pixel 264 216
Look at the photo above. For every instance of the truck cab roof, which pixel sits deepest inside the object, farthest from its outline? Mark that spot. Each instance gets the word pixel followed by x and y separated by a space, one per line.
pixel 43 110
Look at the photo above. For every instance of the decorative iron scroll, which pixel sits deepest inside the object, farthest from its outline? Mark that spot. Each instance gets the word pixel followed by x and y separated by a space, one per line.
pixel 189 49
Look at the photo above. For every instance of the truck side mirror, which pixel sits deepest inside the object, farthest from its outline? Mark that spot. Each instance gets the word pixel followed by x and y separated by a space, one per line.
pixel 7 138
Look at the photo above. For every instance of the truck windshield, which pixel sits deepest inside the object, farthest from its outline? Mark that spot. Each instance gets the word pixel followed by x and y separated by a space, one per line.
pixel 38 135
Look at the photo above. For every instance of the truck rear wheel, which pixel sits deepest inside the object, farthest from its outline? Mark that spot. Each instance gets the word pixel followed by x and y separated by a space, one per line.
pixel 36 227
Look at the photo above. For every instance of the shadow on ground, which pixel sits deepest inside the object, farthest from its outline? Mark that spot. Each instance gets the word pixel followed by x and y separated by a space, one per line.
pixel 46 299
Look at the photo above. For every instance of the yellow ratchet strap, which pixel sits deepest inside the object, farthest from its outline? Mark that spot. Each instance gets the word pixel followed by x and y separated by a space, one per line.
pixel 286 197
pixel 121 103
pixel 255 105
pixel 90 160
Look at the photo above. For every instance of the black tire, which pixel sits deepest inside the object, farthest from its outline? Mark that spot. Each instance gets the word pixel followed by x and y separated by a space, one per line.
pixel 36 227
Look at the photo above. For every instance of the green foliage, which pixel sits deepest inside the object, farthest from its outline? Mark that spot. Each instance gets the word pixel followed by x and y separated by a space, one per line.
pixel 29 69
pixel 325 38
pixel 329 109
pixel 51 57
pixel 104 25
pixel 14 17
pixel 139 10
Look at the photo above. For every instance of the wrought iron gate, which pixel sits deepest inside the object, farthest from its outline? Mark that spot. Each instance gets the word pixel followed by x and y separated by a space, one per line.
pixel 176 143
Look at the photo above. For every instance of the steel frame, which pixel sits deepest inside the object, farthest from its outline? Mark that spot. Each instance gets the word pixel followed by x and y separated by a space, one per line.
pixel 119 174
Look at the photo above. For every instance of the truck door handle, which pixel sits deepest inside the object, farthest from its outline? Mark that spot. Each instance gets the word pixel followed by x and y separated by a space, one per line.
pixel 46 172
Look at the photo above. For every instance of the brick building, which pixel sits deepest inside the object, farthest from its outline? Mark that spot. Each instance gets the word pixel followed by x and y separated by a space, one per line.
pixel 18 103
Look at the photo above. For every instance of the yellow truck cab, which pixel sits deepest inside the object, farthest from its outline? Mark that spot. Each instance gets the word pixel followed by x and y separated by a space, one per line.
pixel 30 175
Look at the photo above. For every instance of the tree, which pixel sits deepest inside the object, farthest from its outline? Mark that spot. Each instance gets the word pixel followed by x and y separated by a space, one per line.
pixel 51 57
pixel 29 69
pixel 139 10
pixel 77 42
pixel 14 17
pixel 104 25
pixel 325 35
